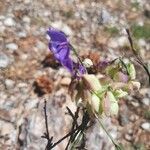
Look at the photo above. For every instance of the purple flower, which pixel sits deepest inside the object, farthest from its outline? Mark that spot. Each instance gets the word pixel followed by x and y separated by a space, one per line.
pixel 60 47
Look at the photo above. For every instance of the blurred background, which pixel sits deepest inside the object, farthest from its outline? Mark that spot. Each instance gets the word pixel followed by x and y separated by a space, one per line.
pixel 28 75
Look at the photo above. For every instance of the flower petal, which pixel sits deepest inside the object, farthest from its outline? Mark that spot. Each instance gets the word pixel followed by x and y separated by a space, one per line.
pixel 56 35
pixel 60 50
pixel 68 64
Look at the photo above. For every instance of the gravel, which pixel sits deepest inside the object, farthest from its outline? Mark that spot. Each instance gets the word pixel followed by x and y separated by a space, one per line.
pixel 9 83
pixel 4 61
pixel 146 101
pixel 9 22
pixel 12 46
pixel 23 26
pixel 146 126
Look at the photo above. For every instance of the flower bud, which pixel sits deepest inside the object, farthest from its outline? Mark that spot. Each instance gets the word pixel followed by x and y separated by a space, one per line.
pixel 112 104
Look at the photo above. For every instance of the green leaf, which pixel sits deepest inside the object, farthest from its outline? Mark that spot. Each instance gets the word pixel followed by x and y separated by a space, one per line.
pixel 112 70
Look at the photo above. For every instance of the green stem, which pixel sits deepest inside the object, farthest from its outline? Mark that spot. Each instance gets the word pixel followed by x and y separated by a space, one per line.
pixel 111 138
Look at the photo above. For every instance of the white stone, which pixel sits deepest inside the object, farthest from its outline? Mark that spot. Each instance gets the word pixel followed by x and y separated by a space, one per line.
pixel 61 26
pixel 135 104
pixel 128 137
pixel 22 85
pixel 105 17
pixel 9 83
pixel 9 22
pixel 24 57
pixel 146 101
pixel 40 45
pixel 12 46
pixel 4 61
pixel 146 126
pixel 32 103
pixel 26 19
pixel 22 34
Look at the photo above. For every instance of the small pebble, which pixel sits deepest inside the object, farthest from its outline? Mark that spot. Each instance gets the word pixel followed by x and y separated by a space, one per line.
pixel 135 104
pixel 133 118
pixel 128 137
pixel 9 22
pixel 4 61
pixel 22 34
pixel 146 101
pixel 146 126
pixel 40 45
pixel 130 131
pixel 31 103
pixel 105 17
pixel 26 19
pixel 12 46
pixel 22 85
pixel 65 81
pixel 9 83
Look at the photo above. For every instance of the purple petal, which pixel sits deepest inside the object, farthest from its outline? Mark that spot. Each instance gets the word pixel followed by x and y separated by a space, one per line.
pixel 56 35
pixel 82 69
pixel 59 46
pixel 60 50
pixel 68 64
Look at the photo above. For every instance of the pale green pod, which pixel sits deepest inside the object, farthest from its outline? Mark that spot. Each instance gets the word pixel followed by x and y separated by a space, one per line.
pixel 113 103
pixel 131 71
pixel 95 103
pixel 92 82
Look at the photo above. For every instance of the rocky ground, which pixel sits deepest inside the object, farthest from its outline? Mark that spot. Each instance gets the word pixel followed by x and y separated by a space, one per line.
pixel 27 77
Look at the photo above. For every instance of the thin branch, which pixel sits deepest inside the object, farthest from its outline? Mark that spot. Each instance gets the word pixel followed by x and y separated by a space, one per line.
pixel 46 135
pixel 74 123
pixel 111 138
pixel 46 122
pixel 138 57
pixel 74 130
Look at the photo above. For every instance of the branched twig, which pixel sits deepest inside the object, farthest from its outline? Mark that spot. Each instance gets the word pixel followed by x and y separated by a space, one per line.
pixel 46 135
pixel 80 128
pixel 74 123
pixel 75 130
pixel 138 57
